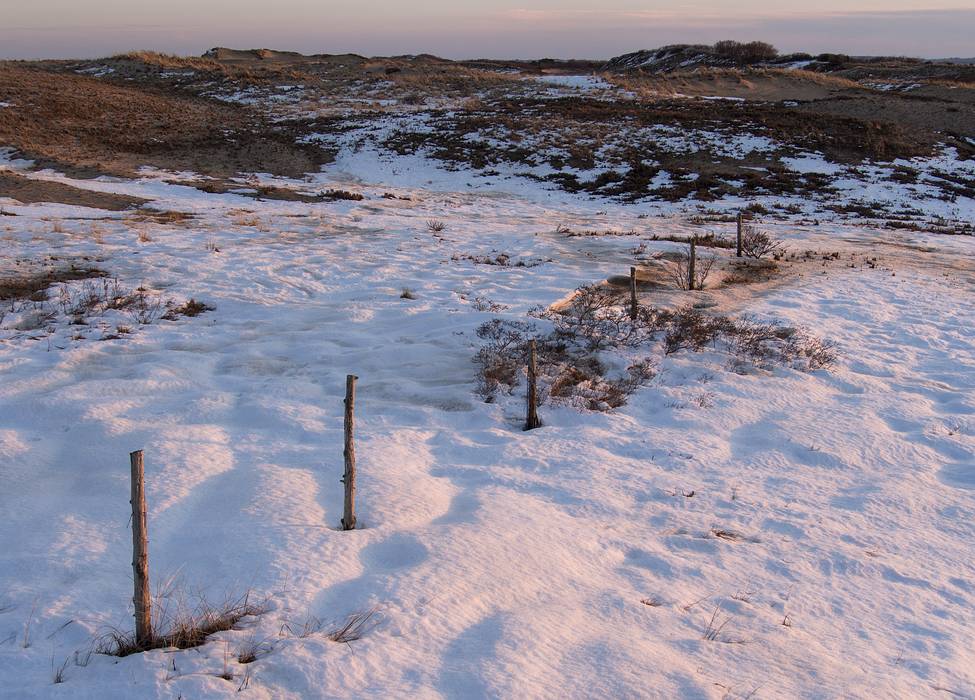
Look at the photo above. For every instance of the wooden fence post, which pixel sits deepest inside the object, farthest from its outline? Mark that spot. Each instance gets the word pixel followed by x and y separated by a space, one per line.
pixel 531 419
pixel 691 264
pixel 633 304
pixel 741 225
pixel 140 552
pixel 348 517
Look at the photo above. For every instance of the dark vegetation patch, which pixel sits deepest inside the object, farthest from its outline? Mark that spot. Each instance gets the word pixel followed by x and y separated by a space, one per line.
pixel 574 134
pixel 340 195
pixel 500 260
pixel 942 227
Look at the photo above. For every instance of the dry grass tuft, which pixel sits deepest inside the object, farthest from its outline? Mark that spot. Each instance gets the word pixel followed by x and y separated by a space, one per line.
pixel 355 626
pixel 186 629
pixel 190 308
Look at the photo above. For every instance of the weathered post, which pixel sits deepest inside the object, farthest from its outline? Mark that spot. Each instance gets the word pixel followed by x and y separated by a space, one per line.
pixel 140 552
pixel 741 225
pixel 531 419
pixel 348 517
pixel 633 304
pixel 691 264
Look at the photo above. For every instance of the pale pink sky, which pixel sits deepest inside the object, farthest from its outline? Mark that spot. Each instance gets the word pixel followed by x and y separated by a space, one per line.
pixel 466 29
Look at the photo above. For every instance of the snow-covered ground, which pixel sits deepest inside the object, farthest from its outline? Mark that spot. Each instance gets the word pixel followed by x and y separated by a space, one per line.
pixel 819 525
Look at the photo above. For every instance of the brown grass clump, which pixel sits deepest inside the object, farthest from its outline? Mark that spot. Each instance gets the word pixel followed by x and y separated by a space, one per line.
pixel 172 62
pixel 190 308
pixel 186 629
pixel 338 195
pixel 33 286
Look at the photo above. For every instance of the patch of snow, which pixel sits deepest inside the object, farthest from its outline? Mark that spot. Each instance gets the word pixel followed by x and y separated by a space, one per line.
pixel 578 82
pixel 812 163
pixel 9 162
pixel 96 71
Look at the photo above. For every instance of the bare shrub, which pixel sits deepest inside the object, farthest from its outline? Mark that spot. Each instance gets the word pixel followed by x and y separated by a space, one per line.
pixel 692 329
pixel 680 271
pixel 758 244
pixel 766 344
pixel 407 293
pixel 591 390
pixel 501 359
pixel 599 317
pixel 569 369
pixel 436 226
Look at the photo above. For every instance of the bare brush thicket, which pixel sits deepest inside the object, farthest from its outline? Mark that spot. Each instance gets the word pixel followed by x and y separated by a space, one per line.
pixel 571 370
pixel 746 52
pixel 680 271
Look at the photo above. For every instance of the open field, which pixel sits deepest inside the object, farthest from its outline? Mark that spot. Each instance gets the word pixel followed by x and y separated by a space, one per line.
pixel 761 488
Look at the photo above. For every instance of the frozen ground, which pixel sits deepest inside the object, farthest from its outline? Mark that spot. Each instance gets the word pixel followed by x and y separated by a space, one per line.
pixel 821 525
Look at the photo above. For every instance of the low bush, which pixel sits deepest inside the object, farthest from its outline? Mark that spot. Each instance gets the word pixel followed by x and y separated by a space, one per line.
pixel 572 365
pixel 758 244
